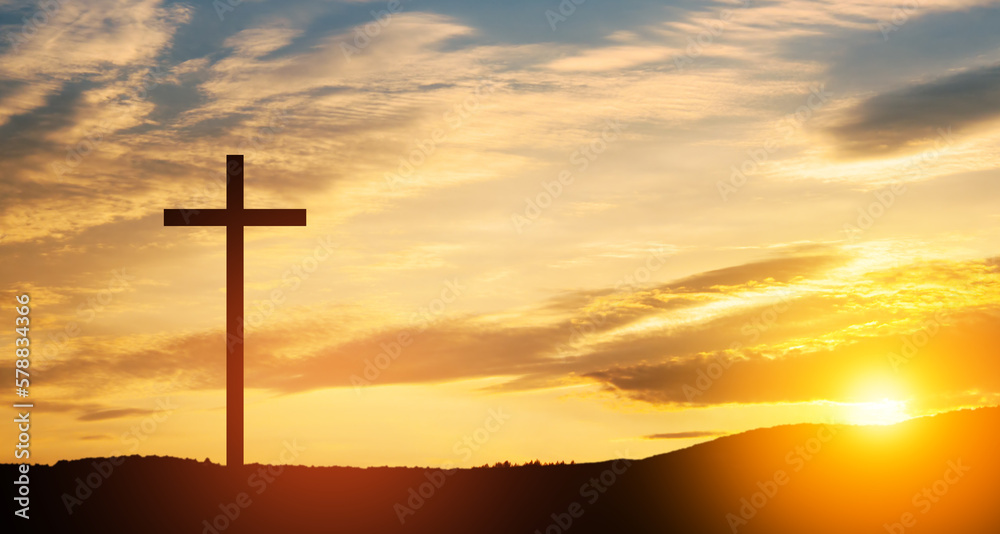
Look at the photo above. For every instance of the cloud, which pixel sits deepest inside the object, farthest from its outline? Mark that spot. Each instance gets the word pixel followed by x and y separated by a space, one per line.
pixel 439 351
pixel 113 414
pixel 613 58
pixel 687 435
pixel 954 362
pixel 727 341
pixel 914 117
pixel 778 270
pixel 97 40
pixel 920 340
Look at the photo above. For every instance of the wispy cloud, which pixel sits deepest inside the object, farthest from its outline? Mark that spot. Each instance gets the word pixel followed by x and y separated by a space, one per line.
pixel 687 435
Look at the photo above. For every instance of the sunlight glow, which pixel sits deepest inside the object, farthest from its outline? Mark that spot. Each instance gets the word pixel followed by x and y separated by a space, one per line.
pixel 884 412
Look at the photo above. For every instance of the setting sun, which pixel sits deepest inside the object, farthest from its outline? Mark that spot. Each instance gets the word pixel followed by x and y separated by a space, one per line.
pixel 884 412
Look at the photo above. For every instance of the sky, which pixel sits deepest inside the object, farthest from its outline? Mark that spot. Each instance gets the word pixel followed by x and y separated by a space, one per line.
pixel 536 230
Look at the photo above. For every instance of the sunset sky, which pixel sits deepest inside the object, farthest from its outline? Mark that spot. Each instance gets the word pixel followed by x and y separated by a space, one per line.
pixel 574 217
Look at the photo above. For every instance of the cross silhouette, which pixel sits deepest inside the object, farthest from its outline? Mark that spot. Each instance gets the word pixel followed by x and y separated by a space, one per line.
pixel 234 218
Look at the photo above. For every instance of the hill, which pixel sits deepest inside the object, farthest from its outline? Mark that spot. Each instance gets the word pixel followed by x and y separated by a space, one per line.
pixel 936 474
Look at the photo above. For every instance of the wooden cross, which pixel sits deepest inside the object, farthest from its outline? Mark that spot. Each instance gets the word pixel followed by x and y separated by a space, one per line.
pixel 234 218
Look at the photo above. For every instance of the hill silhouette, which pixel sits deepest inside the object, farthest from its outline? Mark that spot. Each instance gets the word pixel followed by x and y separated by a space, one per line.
pixel 936 474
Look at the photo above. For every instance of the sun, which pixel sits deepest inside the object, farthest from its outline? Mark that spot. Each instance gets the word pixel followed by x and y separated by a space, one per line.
pixel 883 412
pixel 876 402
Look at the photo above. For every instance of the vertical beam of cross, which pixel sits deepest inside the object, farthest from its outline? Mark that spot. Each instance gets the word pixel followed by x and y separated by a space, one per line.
pixel 234 312
pixel 234 218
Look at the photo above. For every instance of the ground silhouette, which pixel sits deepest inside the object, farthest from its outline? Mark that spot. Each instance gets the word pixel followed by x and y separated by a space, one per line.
pixel 936 474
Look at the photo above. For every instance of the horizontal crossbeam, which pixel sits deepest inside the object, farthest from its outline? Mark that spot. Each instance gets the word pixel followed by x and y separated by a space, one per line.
pixel 226 217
